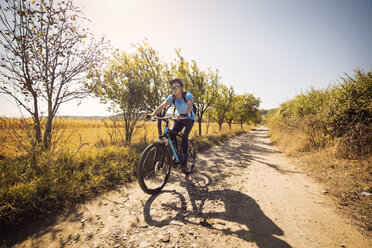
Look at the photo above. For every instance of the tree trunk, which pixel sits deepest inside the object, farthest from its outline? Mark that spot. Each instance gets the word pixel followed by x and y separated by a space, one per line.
pixel 127 129
pixel 37 129
pixel 48 127
pixel 48 132
pixel 200 126
pixel 208 122
pixel 37 121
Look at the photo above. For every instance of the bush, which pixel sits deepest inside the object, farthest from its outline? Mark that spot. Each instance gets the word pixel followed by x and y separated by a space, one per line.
pixel 31 187
pixel 340 114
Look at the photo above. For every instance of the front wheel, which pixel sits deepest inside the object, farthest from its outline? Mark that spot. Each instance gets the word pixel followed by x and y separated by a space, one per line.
pixel 154 168
pixel 192 158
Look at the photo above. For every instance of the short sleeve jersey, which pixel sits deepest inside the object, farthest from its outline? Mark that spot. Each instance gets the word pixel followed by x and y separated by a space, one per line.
pixel 181 105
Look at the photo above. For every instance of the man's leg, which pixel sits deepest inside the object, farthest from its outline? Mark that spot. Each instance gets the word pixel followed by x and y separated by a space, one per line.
pixel 177 127
pixel 185 137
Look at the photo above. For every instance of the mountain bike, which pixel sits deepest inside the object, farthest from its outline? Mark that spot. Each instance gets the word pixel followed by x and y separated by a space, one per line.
pixel 157 159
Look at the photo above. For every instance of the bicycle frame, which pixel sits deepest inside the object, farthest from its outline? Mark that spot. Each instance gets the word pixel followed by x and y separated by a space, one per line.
pixel 169 140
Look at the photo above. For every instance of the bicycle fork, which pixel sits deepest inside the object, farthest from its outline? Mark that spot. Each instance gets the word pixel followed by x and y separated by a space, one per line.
pixel 158 164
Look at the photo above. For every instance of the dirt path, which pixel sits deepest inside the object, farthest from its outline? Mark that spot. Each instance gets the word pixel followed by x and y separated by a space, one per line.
pixel 243 193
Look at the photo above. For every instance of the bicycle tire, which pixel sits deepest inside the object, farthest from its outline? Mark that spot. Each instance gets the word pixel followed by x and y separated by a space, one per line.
pixel 192 158
pixel 155 161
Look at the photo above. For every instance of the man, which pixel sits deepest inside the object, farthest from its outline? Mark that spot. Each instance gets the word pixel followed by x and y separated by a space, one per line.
pixel 183 102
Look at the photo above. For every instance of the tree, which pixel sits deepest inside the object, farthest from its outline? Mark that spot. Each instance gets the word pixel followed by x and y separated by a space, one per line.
pixel 154 74
pixel 119 87
pixel 133 84
pixel 44 52
pixel 222 104
pixel 233 108
pixel 248 108
pixel 202 86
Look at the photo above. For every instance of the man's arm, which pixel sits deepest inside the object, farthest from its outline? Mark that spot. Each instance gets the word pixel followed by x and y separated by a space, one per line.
pixel 160 108
pixel 189 106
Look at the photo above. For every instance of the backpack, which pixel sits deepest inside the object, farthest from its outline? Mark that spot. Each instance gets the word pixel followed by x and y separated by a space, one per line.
pixel 194 109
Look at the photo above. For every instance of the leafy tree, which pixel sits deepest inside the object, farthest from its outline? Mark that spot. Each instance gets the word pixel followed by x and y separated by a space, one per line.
pixel 233 107
pixel 120 86
pixel 133 84
pixel 248 109
pixel 203 86
pixel 222 104
pixel 44 52
pixel 153 73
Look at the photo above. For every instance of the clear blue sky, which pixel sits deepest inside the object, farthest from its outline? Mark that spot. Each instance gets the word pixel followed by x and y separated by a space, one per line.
pixel 273 49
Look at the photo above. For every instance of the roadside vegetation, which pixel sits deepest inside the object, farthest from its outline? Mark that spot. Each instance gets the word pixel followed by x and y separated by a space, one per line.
pixel 34 185
pixel 330 130
pixel 48 58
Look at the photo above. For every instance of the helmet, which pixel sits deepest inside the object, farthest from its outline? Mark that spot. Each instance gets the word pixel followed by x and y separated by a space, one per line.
pixel 177 80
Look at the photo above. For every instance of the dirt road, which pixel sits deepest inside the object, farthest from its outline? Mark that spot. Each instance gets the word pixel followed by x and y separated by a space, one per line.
pixel 243 193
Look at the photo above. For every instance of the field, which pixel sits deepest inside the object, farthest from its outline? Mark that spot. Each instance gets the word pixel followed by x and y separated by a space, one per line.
pixel 83 134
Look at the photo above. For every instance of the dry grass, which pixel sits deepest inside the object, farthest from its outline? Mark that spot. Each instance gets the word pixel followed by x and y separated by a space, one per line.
pixel 83 134
pixel 345 179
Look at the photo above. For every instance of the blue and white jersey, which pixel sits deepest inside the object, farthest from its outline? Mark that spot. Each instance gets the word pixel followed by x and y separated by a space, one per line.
pixel 181 105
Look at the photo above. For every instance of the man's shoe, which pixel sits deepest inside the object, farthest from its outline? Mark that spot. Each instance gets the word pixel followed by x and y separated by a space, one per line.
pixel 184 160
pixel 183 165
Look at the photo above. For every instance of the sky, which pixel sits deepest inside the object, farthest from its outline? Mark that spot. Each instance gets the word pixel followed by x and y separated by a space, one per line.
pixel 273 49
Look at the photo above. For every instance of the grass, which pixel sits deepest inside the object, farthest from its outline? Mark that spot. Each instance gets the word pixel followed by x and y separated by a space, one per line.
pixel 34 185
pixel 83 134
pixel 345 179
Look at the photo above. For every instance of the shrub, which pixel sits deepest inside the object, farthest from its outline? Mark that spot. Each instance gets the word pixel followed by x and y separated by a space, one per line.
pixel 340 114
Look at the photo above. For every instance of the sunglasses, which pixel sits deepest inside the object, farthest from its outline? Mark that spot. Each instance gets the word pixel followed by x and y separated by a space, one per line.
pixel 176 88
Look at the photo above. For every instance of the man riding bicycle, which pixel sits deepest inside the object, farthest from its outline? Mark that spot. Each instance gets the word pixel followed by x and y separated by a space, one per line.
pixel 183 102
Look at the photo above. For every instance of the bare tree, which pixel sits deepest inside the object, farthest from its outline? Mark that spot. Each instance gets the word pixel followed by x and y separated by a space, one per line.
pixel 44 51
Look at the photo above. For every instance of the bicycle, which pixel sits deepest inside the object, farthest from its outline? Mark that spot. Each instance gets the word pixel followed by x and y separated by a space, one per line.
pixel 155 163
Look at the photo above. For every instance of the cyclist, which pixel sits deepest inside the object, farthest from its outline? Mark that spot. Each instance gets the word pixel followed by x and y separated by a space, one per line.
pixel 183 102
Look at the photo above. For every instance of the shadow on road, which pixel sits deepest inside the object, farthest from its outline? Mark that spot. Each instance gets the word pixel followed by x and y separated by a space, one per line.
pixel 227 211
pixel 10 236
pixel 224 210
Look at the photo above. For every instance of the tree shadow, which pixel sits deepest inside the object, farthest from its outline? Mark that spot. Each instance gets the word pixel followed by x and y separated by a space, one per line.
pixel 11 235
pixel 227 211
pixel 38 227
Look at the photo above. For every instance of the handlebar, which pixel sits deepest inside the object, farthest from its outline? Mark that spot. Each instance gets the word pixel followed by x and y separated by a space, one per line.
pixel 165 119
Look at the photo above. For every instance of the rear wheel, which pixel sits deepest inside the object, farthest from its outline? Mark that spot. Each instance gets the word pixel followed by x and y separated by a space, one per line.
pixel 154 168
pixel 192 158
